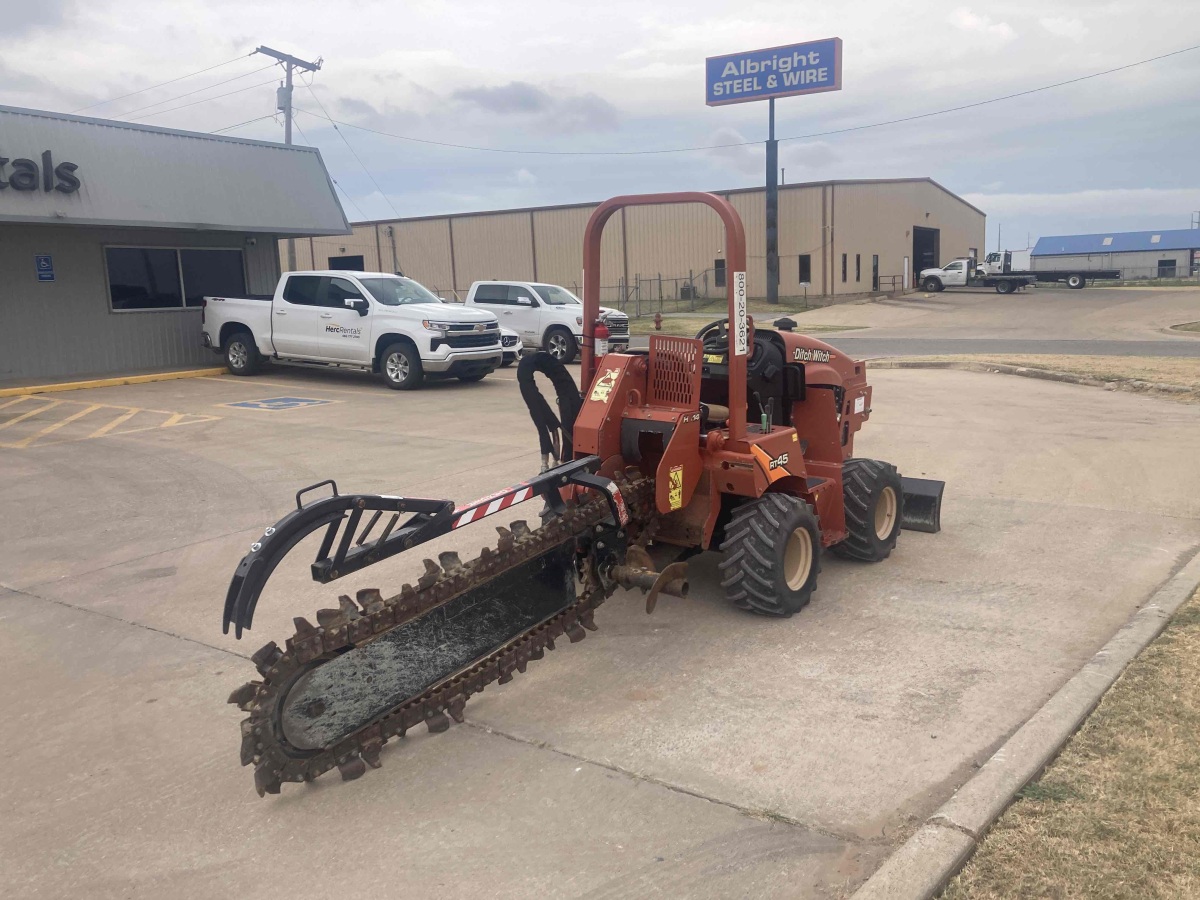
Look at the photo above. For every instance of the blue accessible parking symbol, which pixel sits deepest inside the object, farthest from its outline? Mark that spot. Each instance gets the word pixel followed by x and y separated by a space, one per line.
pixel 278 403
pixel 45 267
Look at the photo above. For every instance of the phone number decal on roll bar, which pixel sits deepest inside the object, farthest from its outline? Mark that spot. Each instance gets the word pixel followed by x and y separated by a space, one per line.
pixel 741 328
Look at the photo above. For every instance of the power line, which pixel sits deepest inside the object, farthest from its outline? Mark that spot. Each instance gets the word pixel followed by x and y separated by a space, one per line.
pixel 206 99
pixel 162 84
pixel 198 90
pixel 240 124
pixel 800 137
pixel 351 149
pixel 334 180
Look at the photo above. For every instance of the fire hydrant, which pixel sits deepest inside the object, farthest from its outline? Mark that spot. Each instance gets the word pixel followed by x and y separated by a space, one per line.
pixel 658 321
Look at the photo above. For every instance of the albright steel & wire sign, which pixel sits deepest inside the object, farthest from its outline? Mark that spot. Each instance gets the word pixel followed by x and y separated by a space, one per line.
pixel 808 68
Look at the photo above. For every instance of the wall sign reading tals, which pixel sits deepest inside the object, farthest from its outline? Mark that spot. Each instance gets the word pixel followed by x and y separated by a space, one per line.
pixel 26 176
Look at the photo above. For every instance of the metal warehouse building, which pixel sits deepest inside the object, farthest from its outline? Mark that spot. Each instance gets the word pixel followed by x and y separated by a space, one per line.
pixel 110 233
pixel 841 237
pixel 1138 254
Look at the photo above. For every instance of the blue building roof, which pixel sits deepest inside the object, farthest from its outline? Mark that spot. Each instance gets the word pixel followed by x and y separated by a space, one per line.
pixel 1117 242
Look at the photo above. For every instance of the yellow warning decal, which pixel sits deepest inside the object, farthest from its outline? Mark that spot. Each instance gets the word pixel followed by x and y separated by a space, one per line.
pixel 604 385
pixel 714 358
pixel 675 494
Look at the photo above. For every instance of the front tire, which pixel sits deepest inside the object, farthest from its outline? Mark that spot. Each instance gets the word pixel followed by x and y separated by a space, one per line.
pixel 874 502
pixel 474 376
pixel 560 344
pixel 932 285
pixel 241 354
pixel 400 365
pixel 772 554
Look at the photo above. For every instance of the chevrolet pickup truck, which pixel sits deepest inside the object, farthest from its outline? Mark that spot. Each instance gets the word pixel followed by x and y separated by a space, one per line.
pixel 381 323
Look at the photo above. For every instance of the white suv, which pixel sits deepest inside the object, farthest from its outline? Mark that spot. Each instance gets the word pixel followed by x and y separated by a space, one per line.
pixel 547 317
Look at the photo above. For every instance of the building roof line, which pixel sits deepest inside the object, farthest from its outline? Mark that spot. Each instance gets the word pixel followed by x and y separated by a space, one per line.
pixel 154 129
pixel 591 204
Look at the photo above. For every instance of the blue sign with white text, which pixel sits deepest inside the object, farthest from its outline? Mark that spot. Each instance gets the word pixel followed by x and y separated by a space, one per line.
pixel 808 68
pixel 45 267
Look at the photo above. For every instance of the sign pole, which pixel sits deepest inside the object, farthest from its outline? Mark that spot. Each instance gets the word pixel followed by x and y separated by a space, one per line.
pixel 772 207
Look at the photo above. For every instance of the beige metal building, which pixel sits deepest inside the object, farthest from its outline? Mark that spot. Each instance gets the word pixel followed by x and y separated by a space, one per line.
pixel 842 237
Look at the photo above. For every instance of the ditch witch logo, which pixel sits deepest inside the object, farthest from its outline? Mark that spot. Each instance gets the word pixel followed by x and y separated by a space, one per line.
pixel 25 175
pixel 344 331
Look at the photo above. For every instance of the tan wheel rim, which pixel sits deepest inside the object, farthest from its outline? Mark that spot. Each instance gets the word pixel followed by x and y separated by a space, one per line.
pixel 797 558
pixel 885 513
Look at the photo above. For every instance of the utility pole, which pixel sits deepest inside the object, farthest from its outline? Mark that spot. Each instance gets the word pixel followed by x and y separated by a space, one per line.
pixel 772 208
pixel 283 102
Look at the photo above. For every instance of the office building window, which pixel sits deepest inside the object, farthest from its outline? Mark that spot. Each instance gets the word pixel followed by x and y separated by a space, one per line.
pixel 805 268
pixel 857 267
pixel 145 278
pixel 843 268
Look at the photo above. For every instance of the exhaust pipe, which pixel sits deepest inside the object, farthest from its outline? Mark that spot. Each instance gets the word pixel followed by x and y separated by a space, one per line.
pixel 922 504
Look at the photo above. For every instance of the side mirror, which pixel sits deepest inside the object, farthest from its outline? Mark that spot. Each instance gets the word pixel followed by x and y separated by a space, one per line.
pixel 357 303
pixel 524 301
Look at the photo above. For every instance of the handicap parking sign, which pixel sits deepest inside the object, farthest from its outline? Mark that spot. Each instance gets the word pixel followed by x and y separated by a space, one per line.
pixel 45 267
pixel 278 403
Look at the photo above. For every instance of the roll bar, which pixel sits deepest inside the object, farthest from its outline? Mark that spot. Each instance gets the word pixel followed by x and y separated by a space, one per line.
pixel 735 255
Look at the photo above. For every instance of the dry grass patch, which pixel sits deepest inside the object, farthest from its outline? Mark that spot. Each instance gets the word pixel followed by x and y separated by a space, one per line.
pixel 1117 815
pixel 1180 370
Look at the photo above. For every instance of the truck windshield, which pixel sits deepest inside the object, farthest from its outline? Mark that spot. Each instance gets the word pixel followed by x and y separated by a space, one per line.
pixel 398 291
pixel 556 296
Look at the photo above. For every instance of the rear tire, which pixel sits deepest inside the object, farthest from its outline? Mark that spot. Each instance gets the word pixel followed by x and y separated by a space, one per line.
pixel 874 501
pixel 1075 282
pixel 400 366
pixel 241 354
pixel 772 554
pixel 560 344
pixel 1004 287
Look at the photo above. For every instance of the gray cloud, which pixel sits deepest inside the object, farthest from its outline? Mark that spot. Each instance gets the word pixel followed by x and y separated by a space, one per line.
pixel 568 114
pixel 515 97
pixel 20 17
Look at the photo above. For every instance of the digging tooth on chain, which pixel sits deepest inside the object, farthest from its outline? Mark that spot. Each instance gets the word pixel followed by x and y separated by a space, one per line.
pixel 437 723
pixel 370 599
pixel 450 561
pixel 432 574
pixel 539 653
pixel 266 779
pixel 520 528
pixel 352 767
pixel 249 742
pixel 574 633
pixel 327 617
pixel 456 707
pixel 348 608
pixel 372 743
pixel 244 695
pixel 505 544
pixel 587 619
pixel 268 654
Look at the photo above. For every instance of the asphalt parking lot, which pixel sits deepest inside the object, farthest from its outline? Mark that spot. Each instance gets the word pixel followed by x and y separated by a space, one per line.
pixel 698 752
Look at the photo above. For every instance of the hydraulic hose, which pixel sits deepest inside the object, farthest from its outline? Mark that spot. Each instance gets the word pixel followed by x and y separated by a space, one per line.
pixel 550 427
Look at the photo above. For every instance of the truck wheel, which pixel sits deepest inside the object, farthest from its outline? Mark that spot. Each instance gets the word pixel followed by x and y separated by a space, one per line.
pixel 241 354
pixel 874 502
pixel 560 344
pixel 474 376
pixel 1004 287
pixel 932 285
pixel 1075 282
pixel 401 366
pixel 772 554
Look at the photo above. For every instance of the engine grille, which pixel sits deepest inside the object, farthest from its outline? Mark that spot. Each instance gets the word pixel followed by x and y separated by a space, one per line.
pixel 461 341
pixel 617 327
pixel 674 371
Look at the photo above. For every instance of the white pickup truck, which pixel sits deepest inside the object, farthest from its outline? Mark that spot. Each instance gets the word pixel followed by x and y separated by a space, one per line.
pixel 547 317
pixel 365 320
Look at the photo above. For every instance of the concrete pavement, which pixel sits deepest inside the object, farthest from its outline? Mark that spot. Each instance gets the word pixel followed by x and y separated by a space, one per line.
pixel 699 752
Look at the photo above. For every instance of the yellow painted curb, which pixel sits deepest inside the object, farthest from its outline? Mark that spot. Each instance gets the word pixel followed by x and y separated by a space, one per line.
pixel 108 382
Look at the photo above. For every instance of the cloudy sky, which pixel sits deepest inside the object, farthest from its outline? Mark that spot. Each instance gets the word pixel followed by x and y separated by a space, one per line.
pixel 1111 153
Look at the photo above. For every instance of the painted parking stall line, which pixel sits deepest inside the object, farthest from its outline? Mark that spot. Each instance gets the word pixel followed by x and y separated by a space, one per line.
pixel 68 421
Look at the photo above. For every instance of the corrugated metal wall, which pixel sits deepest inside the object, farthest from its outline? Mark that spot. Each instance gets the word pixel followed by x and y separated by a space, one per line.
pixel 65 327
pixel 1139 263
pixel 822 220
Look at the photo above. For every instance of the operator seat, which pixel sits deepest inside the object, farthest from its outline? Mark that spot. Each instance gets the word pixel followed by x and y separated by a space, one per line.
pixel 770 379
